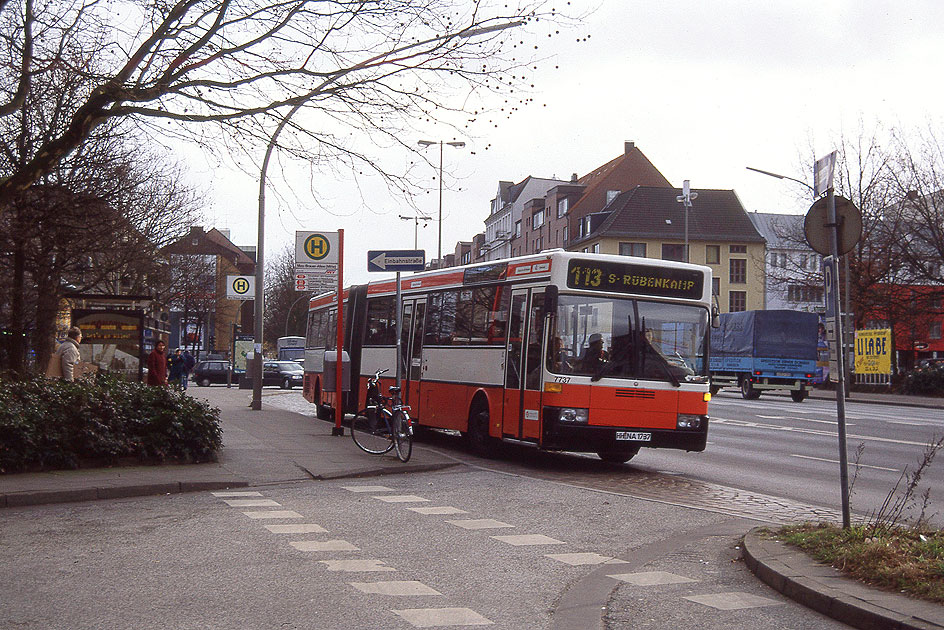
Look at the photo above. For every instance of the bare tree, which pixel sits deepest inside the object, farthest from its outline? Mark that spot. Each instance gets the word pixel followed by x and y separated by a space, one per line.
pixel 374 66
pixel 285 310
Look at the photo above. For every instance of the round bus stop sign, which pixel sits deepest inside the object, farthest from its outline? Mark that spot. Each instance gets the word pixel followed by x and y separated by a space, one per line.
pixel 817 228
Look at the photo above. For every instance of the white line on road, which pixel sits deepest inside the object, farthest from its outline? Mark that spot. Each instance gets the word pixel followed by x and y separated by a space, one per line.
pixel 833 461
pixel 773 427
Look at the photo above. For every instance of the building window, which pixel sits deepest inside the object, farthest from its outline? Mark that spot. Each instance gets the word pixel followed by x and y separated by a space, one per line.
pixel 537 219
pixel 596 248
pixel 466 258
pixel 935 330
pixel 799 293
pixel 737 301
pixel 713 254
pixel 673 251
pixel 936 303
pixel 716 286
pixel 737 249
pixel 565 235
pixel 517 229
pixel 563 205
pixel 632 249
pixel 738 271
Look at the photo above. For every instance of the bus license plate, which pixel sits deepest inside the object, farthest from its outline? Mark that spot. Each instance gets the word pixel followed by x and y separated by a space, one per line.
pixel 631 436
pixel 783 374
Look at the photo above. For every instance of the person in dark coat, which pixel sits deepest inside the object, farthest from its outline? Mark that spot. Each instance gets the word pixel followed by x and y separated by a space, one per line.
pixel 157 365
pixel 189 362
pixel 175 368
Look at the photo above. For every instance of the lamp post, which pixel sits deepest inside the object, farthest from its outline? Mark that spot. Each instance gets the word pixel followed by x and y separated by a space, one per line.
pixel 686 199
pixel 288 315
pixel 458 144
pixel 416 220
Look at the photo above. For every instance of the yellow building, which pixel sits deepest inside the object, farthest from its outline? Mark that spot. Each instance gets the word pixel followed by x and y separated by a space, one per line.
pixel 649 222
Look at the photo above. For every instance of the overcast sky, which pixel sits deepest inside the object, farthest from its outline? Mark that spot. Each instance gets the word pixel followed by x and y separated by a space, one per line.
pixel 704 88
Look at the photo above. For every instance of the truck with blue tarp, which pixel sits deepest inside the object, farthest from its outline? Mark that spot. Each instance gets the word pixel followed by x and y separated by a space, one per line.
pixel 765 350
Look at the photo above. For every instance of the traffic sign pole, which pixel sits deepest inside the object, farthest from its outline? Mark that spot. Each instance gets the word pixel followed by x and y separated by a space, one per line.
pixel 399 329
pixel 338 375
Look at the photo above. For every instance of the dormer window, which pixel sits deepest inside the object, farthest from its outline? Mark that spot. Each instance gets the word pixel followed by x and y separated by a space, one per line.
pixel 563 205
pixel 611 195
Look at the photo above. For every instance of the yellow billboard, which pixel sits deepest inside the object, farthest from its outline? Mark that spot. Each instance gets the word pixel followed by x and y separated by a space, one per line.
pixel 873 351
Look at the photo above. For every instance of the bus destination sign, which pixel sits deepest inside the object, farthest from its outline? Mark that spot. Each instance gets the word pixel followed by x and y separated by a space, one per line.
pixel 597 275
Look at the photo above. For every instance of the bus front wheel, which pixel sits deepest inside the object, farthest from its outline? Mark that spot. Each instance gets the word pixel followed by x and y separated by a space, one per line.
pixel 618 456
pixel 799 395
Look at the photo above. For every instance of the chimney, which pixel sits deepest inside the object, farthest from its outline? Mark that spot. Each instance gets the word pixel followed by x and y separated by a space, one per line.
pixel 628 146
pixel 573 178
pixel 224 233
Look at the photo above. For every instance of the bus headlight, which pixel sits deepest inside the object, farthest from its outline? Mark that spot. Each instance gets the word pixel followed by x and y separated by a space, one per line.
pixel 690 421
pixel 574 415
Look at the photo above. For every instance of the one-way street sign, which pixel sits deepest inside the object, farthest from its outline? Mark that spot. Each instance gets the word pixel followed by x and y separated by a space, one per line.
pixel 396 260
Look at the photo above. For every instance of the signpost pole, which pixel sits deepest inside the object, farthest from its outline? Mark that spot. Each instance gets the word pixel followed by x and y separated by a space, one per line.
pixel 399 329
pixel 339 383
pixel 833 226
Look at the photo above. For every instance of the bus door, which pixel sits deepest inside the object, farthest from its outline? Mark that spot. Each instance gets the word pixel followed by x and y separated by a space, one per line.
pixel 523 366
pixel 411 347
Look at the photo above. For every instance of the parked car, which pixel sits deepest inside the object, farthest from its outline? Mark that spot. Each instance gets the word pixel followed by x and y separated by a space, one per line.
pixel 207 372
pixel 285 374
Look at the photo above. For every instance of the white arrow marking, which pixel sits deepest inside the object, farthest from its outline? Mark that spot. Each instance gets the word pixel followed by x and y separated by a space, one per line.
pixel 381 260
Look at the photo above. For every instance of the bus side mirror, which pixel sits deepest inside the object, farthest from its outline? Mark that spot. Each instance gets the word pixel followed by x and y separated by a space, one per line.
pixel 550 300
pixel 715 316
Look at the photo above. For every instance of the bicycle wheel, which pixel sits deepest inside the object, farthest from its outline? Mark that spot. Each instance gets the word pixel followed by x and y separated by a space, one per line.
pixel 371 431
pixel 403 435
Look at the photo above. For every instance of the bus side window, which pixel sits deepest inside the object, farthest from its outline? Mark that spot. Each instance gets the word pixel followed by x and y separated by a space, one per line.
pixel 497 316
pixel 433 311
pixel 535 335
pixel 381 326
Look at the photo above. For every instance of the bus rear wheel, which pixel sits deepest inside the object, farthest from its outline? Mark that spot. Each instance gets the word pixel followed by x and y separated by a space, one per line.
pixel 747 390
pixel 799 395
pixel 620 456
pixel 480 442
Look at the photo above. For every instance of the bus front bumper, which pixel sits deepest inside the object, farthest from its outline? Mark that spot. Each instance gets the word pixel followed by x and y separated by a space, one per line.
pixel 565 436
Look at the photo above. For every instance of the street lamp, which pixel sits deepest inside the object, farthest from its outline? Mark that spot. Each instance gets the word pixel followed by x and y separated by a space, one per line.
pixel 416 220
pixel 686 199
pixel 458 144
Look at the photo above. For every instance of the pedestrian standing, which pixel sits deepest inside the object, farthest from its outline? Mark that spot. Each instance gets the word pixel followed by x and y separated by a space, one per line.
pixel 67 355
pixel 157 365
pixel 175 368
pixel 189 362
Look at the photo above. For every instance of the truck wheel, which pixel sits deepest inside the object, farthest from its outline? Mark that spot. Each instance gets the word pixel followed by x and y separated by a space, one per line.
pixel 618 456
pixel 714 389
pixel 799 395
pixel 747 390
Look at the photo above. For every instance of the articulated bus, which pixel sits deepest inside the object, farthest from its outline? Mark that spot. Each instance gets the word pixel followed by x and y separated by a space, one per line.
pixel 561 350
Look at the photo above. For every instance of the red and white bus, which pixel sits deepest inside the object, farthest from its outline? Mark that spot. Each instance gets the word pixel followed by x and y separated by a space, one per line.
pixel 562 350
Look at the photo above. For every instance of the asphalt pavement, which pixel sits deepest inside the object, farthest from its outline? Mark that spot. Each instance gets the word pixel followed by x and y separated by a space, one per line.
pixel 281 445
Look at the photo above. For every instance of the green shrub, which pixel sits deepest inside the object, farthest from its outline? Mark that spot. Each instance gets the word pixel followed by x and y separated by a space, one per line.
pixel 50 424
pixel 924 381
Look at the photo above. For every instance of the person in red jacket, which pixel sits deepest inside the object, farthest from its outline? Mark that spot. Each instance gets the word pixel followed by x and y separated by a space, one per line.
pixel 157 365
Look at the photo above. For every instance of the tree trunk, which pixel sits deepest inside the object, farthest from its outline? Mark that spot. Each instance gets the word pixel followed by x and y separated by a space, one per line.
pixel 17 312
pixel 47 312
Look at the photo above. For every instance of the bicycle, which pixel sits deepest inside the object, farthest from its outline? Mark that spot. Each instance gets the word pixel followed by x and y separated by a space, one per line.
pixel 379 428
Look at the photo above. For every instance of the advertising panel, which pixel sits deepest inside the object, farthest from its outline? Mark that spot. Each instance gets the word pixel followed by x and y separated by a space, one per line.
pixel 873 351
pixel 111 340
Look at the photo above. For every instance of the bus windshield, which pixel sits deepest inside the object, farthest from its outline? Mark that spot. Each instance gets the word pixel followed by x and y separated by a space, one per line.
pixel 600 336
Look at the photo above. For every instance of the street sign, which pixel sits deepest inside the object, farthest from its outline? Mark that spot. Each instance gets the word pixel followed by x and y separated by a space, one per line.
pixel 823 174
pixel 396 260
pixel 240 287
pixel 817 228
pixel 316 249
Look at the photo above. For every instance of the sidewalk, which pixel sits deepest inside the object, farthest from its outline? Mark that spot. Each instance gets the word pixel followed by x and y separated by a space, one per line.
pixel 281 445
pixel 274 446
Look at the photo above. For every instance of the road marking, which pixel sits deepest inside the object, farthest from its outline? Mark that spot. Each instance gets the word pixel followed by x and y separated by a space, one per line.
pixel 833 461
pixel 529 539
pixel 356 566
pixel 651 578
pixel 438 510
pixel 237 494
pixel 367 488
pixel 251 503
pixel 436 617
pixel 910 424
pixel 732 601
pixel 405 588
pixel 479 523
pixel 773 427
pixel 580 559
pixel 297 528
pixel 273 514
pixel 400 498
pixel 324 545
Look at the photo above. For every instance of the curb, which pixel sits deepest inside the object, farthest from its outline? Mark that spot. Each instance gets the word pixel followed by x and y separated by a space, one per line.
pixel 379 472
pixel 794 574
pixel 43 497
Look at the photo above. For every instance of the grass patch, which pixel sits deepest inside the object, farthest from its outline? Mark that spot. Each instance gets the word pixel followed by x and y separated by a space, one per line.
pixel 904 560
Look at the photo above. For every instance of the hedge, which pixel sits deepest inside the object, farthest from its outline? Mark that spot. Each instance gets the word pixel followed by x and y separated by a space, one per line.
pixel 927 381
pixel 52 424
